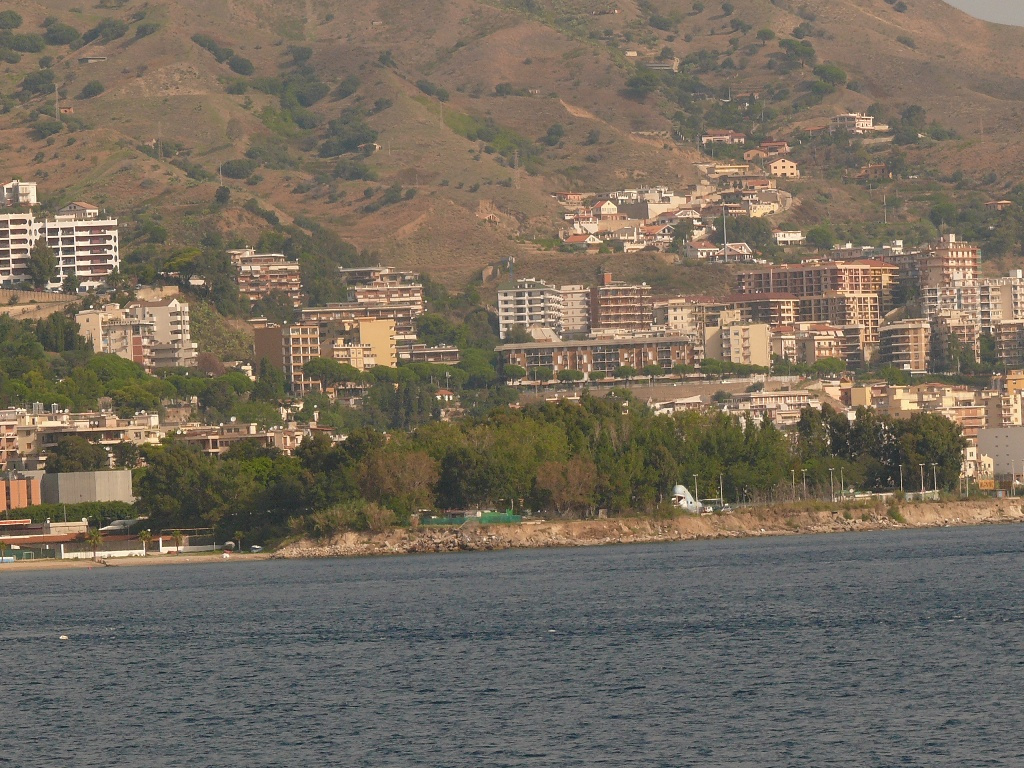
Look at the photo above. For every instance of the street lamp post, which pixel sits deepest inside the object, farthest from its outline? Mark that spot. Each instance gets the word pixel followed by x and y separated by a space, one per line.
pixel 805 482
pixel 842 484
pixel 696 496
pixel 831 483
pixel 901 478
pixel 935 477
pixel 922 477
pixel 793 472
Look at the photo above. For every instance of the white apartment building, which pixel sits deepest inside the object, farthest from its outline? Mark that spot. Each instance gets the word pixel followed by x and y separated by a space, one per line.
pixel 18 193
pixel 529 303
pixel 85 246
pixel 172 338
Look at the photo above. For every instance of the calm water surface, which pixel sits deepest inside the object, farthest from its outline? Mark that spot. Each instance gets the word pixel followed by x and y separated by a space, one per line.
pixel 886 649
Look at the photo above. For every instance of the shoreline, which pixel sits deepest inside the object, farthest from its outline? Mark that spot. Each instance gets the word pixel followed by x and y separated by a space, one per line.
pixel 471 537
pixel 763 521
pixel 44 564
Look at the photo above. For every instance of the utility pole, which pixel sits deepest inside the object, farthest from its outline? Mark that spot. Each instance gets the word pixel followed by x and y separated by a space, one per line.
pixel 696 496
pixel 793 472
pixel 922 478
pixel 935 477
pixel 832 483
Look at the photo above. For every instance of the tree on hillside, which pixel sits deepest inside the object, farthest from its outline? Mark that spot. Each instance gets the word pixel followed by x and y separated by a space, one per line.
pixel 329 372
pixel 764 35
pixel 76 454
pixel 42 265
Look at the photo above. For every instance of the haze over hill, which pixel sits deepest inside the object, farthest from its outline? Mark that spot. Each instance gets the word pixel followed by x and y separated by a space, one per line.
pixel 999 11
pixel 478 112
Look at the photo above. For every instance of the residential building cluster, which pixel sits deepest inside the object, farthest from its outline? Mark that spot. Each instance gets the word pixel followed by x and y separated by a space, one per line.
pixel 28 436
pixel 154 334
pixel 375 326
pixel 650 218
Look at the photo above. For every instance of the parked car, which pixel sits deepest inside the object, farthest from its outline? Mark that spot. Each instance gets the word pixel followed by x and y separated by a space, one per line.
pixel 255 549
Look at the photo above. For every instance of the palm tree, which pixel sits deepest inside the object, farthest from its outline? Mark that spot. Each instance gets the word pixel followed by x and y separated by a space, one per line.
pixel 3 550
pixel 238 535
pixel 95 539
pixel 145 537
pixel 178 537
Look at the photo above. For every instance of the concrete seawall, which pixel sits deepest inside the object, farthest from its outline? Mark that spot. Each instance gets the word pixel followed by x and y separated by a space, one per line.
pixel 766 521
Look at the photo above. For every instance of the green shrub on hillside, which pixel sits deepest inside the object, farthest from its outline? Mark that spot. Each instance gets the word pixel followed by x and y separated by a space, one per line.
pixel 238 169
pixel 241 65
pixel 25 43
pixel 220 53
pixel 106 31
pixel 60 34
pixel 91 89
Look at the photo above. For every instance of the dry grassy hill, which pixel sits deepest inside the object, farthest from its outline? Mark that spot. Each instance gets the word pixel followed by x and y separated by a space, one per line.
pixel 171 115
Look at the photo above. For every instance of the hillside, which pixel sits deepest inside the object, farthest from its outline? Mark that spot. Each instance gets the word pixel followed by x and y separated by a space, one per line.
pixel 480 111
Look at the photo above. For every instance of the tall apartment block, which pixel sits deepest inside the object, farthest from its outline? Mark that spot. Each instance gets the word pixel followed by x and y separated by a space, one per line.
pixel 262 274
pixel 85 246
pixel 817 278
pixel 617 305
pixel 906 344
pixel 528 303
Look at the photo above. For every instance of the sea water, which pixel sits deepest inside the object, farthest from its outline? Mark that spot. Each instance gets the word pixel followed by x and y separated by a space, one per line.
pixel 878 649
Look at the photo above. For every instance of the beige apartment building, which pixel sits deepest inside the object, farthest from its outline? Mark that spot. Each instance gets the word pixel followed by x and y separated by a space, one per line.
pixel 816 278
pixel 601 356
pixel 154 334
pixel 621 305
pixel 742 344
pixel 906 344
pixel 263 274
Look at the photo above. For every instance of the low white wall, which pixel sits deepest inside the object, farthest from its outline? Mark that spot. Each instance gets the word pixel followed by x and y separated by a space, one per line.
pixel 100 553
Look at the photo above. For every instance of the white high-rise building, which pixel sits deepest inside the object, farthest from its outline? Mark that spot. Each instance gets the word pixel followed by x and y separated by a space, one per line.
pixel 529 303
pixel 85 246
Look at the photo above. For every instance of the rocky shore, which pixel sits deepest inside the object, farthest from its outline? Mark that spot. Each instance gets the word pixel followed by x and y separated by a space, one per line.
pixel 762 521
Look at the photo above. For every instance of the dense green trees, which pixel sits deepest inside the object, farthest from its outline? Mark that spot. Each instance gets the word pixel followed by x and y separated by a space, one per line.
pixel 76 454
